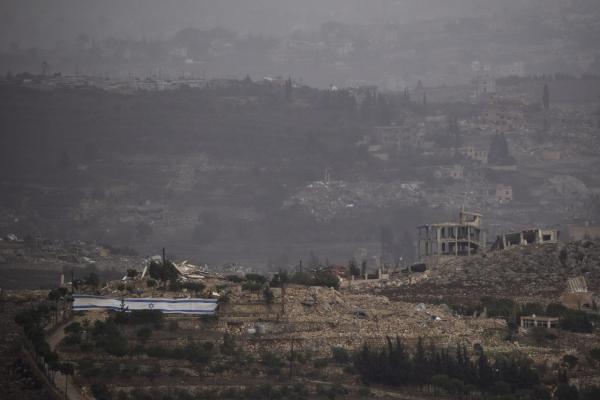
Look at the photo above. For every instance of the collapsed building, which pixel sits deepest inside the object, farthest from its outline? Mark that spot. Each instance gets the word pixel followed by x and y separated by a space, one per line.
pixel 463 238
pixel 577 296
pixel 526 237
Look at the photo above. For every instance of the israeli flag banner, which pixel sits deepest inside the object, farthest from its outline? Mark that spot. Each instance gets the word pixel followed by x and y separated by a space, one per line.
pixel 85 302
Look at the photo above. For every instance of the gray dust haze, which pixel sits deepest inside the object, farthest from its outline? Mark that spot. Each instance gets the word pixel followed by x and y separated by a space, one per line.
pixel 258 133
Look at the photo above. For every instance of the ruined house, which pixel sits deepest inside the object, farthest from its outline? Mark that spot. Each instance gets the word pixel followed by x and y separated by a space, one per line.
pixel 462 238
pixel 525 238
pixel 577 296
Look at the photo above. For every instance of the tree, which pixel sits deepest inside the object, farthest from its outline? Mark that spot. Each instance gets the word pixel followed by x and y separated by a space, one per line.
pixel 564 391
pixel 163 272
pixel 67 369
pixel 92 280
pixel 101 392
pixel 143 334
pixel 132 273
pixel 421 366
pixel 228 346
pixel 499 154
pixel 353 269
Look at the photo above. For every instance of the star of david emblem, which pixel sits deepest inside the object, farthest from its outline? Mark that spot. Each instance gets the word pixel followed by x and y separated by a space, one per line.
pixel 151 306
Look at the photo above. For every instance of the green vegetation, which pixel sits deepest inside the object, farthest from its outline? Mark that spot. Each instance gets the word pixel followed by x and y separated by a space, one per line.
pixel 453 373
pixel 108 337
pixel 317 278
pixel 193 352
pixel 139 317
pixel 340 355
pixel 196 287
pixel 163 272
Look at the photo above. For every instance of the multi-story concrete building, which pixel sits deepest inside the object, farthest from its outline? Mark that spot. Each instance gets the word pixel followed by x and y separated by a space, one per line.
pixel 462 238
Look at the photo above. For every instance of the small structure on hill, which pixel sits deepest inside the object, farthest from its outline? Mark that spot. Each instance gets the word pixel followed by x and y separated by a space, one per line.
pixel 525 238
pixel 535 321
pixel 577 296
pixel 463 238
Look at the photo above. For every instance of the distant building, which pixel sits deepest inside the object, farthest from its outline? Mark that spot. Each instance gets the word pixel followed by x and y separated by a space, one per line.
pixel 551 155
pixel 341 271
pixel 582 232
pixel 525 238
pixel 455 172
pixel 504 193
pixel 397 137
pixel 485 84
pixel 462 238
pixel 474 154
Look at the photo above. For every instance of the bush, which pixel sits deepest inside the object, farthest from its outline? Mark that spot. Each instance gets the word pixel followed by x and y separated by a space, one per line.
pixel 139 317
pixel 532 308
pixel 73 327
pixel 340 355
pixel 498 307
pixel 591 393
pixel 195 287
pixel 418 268
pixel 92 280
pixel 234 279
pixel 256 278
pixel 151 283
pixel 72 339
pixel 108 337
pixel 132 273
pixel 101 391
pixel 594 355
pixel 576 321
pixel 252 286
pixel 556 310
pixel 271 360
pixel 541 335
pixel 144 333
pixel 570 360
pixel 321 363
pixel 268 295
pixel 327 279
pixel 228 345
pixel 163 272
pixel 173 326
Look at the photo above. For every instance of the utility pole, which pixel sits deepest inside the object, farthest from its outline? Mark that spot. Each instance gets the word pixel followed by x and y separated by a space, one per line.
pixel 163 256
pixel 281 280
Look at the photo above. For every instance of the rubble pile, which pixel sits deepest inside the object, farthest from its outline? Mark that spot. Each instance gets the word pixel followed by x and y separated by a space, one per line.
pixel 325 200
pixel 320 318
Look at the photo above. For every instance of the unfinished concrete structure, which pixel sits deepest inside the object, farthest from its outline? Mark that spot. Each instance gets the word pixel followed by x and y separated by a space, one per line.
pixel 525 238
pixel 462 238
pixel 535 321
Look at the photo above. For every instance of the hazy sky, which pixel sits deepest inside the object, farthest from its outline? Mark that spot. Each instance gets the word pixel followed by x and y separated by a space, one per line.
pixel 44 22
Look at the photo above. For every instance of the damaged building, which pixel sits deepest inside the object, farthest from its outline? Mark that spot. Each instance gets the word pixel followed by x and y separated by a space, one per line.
pixel 525 238
pixel 462 238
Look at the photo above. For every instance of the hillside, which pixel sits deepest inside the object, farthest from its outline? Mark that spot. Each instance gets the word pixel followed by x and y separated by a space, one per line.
pixel 536 272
